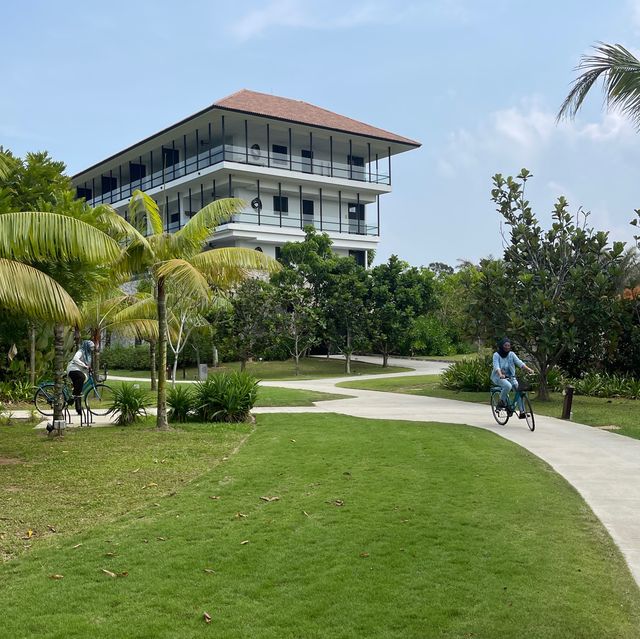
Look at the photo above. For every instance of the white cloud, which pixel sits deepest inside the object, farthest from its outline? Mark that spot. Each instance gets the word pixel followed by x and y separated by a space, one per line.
pixel 318 15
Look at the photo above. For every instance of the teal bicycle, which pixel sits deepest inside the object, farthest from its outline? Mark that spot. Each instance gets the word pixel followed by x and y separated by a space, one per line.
pixel 517 401
pixel 97 396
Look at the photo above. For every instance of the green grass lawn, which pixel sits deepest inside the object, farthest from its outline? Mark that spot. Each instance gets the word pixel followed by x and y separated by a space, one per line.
pixel 318 526
pixel 310 368
pixel 594 411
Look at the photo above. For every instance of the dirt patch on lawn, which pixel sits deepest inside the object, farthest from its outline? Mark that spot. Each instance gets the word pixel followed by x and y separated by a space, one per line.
pixel 9 461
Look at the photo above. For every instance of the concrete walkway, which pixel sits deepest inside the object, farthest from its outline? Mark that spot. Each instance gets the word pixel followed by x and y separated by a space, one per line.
pixel 602 466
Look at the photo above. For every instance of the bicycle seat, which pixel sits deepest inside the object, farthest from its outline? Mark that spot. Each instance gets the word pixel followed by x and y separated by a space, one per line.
pixel 495 389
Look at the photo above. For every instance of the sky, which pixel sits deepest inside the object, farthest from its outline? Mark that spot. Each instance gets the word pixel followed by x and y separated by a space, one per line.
pixel 478 83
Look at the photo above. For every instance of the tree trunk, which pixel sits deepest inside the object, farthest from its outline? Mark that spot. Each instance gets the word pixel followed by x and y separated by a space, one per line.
pixel 59 371
pixel 214 361
pixel 174 370
pixel 77 337
pixel 95 360
pixel 152 355
pixel 543 387
pixel 32 358
pixel 297 358
pixel 347 353
pixel 161 421
pixel 243 364
pixel 385 357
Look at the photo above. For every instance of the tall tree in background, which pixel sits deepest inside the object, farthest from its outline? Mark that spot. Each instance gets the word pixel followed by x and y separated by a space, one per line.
pixel 397 294
pixel 553 290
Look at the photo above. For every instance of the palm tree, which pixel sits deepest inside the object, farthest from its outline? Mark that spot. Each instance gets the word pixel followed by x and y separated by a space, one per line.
pixel 67 248
pixel 177 258
pixel 620 71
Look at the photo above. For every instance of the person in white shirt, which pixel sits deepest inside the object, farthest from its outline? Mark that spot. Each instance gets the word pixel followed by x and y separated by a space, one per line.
pixel 78 370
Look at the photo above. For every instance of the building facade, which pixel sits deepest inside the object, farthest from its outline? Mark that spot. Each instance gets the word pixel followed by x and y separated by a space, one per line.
pixel 294 164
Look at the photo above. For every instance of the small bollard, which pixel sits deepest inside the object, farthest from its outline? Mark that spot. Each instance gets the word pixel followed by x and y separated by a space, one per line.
pixel 568 400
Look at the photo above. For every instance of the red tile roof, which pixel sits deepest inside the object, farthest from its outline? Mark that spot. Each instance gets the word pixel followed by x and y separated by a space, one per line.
pixel 300 112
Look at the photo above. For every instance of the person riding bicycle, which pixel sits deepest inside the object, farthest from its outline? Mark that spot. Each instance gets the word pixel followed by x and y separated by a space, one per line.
pixel 503 373
pixel 78 370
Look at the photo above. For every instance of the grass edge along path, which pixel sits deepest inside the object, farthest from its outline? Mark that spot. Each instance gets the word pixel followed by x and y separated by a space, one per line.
pixel 334 526
pixel 618 415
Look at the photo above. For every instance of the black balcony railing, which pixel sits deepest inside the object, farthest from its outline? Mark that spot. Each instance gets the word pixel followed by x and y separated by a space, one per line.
pixel 230 153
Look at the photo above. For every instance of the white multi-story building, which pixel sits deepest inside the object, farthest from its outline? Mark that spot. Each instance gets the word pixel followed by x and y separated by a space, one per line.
pixel 293 163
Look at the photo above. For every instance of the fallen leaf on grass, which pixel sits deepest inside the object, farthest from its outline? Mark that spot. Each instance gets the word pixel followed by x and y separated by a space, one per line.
pixel 246 541
pixel 76 546
pixel 28 534
pixel 270 498
pixel 108 572
pixel 51 528
pixel 151 485
pixel 161 538
pixel 240 516
pixel 364 554
pixel 336 502
pixel 56 576
pixel 110 554
pixel 214 496
pixel 293 441
pixel 207 617
pixel 304 512
pixel 225 459
pixel 210 570
pixel 136 470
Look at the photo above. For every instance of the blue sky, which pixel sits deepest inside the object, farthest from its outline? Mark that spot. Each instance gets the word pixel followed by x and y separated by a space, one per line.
pixel 478 83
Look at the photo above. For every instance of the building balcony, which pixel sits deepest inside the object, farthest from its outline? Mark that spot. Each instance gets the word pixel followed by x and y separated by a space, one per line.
pixel 357 171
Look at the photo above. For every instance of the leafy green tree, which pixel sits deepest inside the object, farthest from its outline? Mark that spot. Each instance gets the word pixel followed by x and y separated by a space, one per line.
pixel 298 318
pixel 345 307
pixel 397 294
pixel 554 290
pixel 254 315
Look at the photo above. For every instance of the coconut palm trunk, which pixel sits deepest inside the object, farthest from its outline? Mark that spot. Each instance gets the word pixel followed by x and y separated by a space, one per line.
pixel 161 421
pixel 32 354
pixel 152 356
pixel 59 371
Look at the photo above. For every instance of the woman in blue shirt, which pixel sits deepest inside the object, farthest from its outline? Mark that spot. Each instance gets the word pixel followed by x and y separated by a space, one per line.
pixel 503 373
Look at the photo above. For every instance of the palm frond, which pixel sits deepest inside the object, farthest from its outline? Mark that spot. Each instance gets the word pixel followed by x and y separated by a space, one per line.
pixel 190 238
pixel 114 225
pixel 24 289
pixel 226 267
pixel 145 308
pixel 41 236
pixel 144 209
pixel 620 72
pixel 185 278
pixel 146 329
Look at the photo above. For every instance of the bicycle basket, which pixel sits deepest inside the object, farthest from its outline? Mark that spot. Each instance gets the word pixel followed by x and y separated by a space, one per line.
pixel 524 385
pixel 100 378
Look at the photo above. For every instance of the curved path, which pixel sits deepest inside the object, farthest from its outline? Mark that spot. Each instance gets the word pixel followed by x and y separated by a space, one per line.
pixel 602 466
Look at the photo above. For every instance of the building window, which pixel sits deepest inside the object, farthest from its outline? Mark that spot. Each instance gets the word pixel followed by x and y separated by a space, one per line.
pixel 307 160
pixel 307 211
pixel 137 171
pixel 356 163
pixel 281 204
pixel 109 183
pixel 356 218
pixel 280 154
pixel 358 256
pixel 169 157
pixel 83 193
pixel 278 252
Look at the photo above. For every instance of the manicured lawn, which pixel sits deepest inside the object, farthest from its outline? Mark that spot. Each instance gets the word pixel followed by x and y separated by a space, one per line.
pixel 594 411
pixel 310 368
pixel 368 528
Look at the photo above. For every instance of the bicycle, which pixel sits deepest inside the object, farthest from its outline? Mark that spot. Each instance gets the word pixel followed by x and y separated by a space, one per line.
pixel 97 396
pixel 516 399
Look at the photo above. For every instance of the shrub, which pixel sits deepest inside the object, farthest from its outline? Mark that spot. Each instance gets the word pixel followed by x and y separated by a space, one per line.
pixel 133 358
pixel 16 391
pixel 130 403
pixel 180 400
pixel 607 385
pixel 226 397
pixel 468 375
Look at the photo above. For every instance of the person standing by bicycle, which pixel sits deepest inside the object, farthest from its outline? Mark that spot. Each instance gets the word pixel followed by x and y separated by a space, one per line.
pixel 78 370
pixel 503 373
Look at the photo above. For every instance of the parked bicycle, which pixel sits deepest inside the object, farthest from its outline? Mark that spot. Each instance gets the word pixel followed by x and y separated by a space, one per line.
pixel 517 402
pixel 97 396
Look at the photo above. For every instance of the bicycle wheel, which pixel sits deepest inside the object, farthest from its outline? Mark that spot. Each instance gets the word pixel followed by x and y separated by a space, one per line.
pixel 501 415
pixel 528 411
pixel 99 399
pixel 44 399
